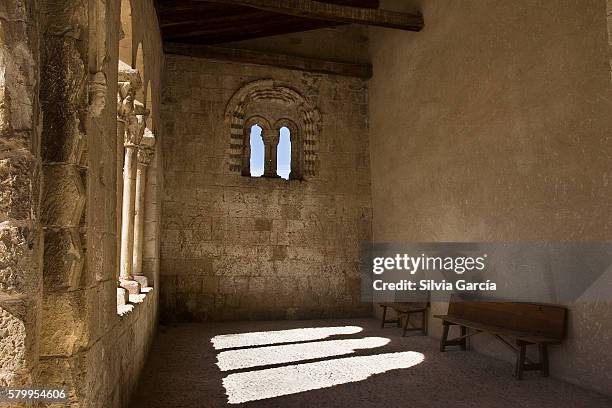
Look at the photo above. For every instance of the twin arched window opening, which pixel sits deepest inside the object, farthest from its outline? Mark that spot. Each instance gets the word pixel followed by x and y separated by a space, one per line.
pixel 271 153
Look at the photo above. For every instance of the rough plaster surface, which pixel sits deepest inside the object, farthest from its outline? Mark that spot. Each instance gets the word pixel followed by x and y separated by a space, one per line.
pixel 405 371
pixel 236 247
pixel 493 125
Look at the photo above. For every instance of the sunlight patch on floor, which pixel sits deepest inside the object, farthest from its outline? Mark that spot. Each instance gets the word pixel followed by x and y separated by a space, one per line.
pixel 226 341
pixel 288 353
pixel 292 379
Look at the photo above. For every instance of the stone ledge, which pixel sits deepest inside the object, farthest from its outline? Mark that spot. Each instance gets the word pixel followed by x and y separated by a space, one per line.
pixel 127 302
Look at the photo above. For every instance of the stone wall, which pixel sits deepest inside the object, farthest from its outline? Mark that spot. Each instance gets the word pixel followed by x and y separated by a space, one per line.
pixel 236 247
pixel 85 345
pixel 20 185
pixel 493 124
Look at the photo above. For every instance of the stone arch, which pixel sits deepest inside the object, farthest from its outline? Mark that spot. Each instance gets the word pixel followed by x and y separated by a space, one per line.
pixel 139 65
pixel 148 96
pixel 309 120
pixel 264 124
pixel 125 42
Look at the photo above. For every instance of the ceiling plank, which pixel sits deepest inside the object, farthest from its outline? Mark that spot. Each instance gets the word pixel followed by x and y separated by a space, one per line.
pixel 334 12
pixel 265 58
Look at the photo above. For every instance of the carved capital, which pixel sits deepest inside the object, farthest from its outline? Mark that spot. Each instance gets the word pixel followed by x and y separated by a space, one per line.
pixel 97 94
pixel 135 125
pixel 146 149
pixel 270 138
pixel 129 82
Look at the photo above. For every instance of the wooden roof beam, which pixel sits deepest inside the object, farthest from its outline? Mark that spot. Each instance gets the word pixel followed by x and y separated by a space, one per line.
pixel 272 59
pixel 333 12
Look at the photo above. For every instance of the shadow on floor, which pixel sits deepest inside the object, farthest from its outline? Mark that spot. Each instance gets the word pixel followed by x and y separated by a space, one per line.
pixel 332 363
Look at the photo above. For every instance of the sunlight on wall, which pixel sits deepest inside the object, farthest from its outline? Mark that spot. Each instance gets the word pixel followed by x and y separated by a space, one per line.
pixel 261 356
pixel 227 341
pixel 275 382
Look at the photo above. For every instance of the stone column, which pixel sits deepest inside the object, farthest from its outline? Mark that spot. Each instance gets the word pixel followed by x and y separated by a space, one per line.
pixel 145 154
pixel 133 115
pixel 270 140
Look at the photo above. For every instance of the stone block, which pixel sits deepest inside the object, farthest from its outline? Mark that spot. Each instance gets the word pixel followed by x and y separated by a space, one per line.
pixel 279 253
pixel 142 281
pixel 18 186
pixel 210 284
pixel 227 285
pixel 66 317
pixel 19 269
pixel 188 283
pixel 63 259
pixel 18 342
pixel 122 297
pixel 263 224
pixel 290 212
pixel 62 95
pixel 131 286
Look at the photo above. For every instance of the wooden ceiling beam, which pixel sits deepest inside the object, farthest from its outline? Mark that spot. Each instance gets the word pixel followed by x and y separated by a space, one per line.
pixel 334 12
pixel 271 59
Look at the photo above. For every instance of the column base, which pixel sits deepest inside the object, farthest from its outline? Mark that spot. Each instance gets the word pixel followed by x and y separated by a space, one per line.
pixel 142 280
pixel 131 286
pixel 122 297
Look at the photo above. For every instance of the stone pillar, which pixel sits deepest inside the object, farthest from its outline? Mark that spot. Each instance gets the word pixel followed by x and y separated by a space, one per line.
pixel 270 140
pixel 20 184
pixel 133 115
pixel 145 154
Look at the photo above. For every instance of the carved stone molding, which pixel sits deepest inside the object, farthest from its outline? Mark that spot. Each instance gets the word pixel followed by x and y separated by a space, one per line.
pixel 146 148
pixel 135 125
pixel 97 94
pixel 129 82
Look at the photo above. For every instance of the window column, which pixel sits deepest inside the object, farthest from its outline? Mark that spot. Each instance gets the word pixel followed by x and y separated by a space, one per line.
pixel 145 155
pixel 271 145
pixel 133 114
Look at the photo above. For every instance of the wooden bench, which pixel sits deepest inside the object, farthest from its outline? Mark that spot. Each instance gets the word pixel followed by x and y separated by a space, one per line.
pixel 522 323
pixel 404 311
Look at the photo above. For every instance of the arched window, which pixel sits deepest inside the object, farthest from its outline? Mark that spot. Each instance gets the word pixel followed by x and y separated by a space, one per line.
pixel 283 155
pixel 290 126
pixel 257 151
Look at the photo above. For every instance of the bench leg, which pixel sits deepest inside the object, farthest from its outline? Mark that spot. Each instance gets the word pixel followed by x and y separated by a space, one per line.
pixel 384 317
pixel 422 328
pixel 524 364
pixel 385 321
pixel 424 322
pixel 520 360
pixel 444 338
pixel 463 338
pixel 543 349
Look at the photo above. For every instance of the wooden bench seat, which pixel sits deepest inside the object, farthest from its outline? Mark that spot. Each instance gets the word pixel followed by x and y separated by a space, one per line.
pixel 403 312
pixel 522 323
pixel 525 336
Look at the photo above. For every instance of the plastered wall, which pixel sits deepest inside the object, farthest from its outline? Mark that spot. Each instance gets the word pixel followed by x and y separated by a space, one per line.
pixel 236 247
pixel 493 124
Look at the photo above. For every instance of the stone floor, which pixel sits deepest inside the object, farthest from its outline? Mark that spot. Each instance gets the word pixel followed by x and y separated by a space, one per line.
pixel 333 363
